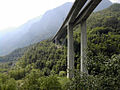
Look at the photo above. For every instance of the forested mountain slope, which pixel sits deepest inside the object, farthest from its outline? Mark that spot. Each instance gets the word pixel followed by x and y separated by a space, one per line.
pixel 109 16
pixel 13 56
pixel 44 64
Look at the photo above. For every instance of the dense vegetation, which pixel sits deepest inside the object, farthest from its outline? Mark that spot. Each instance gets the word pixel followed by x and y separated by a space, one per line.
pixel 43 65
pixel 13 56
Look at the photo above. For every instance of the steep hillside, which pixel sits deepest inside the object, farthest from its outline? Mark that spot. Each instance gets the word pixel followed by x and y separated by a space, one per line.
pixel 38 29
pixel 110 15
pixel 13 56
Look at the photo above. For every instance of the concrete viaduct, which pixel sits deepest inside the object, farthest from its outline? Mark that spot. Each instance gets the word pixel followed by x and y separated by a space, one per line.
pixel 78 14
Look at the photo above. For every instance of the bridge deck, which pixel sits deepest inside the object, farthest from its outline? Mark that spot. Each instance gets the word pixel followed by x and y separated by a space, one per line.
pixel 80 11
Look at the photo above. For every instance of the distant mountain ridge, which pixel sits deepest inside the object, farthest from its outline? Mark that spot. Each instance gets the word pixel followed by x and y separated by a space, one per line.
pixel 35 30
pixel 38 29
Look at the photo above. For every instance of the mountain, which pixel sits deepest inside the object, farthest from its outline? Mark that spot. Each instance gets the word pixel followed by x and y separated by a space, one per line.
pixel 38 29
pixel 34 30
pixel 104 4
pixel 48 25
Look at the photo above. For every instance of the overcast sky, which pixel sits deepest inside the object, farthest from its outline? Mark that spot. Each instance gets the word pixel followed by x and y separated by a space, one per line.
pixel 118 1
pixel 13 13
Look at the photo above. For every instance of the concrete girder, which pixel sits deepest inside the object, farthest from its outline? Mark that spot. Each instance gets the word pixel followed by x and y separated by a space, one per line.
pixel 79 6
pixel 85 13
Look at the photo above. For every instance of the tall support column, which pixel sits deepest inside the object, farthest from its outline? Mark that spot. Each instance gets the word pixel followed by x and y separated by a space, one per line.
pixel 83 46
pixel 70 53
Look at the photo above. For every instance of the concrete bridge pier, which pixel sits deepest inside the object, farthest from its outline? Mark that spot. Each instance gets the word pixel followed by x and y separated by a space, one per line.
pixel 83 46
pixel 70 52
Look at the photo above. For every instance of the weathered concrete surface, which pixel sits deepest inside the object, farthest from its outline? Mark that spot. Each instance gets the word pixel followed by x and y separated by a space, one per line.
pixel 70 53
pixel 83 46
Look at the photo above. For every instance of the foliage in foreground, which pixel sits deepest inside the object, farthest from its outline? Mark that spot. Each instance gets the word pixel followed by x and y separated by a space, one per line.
pixel 107 78
pixel 104 77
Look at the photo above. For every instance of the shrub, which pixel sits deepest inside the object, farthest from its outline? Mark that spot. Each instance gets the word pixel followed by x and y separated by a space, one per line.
pixel 49 83
pixel 83 82
pixel 62 73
